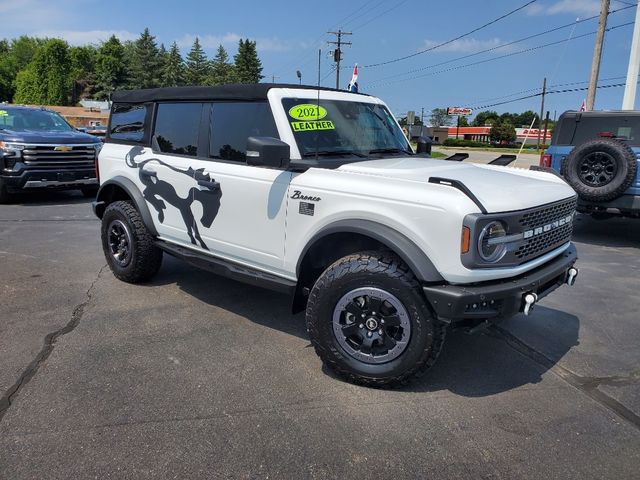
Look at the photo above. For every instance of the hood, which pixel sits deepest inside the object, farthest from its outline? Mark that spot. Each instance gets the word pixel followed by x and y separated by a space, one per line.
pixel 40 136
pixel 499 189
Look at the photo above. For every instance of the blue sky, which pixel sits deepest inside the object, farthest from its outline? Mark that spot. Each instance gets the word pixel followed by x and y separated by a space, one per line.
pixel 289 34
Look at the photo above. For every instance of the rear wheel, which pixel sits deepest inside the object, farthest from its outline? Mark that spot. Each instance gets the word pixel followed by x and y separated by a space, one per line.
pixel 4 193
pixel 369 321
pixel 127 244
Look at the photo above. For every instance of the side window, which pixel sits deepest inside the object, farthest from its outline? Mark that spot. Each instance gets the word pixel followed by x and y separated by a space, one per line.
pixel 128 122
pixel 177 126
pixel 231 125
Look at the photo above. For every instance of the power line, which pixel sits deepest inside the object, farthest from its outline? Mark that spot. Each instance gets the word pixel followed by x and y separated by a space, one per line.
pixel 497 47
pixel 434 47
pixel 520 52
pixel 379 15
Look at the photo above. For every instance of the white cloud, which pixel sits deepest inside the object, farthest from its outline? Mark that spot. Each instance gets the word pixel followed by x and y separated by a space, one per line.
pixel 83 37
pixel 230 41
pixel 574 7
pixel 464 45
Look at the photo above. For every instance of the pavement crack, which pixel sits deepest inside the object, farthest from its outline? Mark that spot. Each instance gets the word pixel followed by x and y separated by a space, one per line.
pixel 49 343
pixel 587 385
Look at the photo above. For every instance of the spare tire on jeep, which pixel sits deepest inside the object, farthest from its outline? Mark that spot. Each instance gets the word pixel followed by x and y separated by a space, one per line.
pixel 600 170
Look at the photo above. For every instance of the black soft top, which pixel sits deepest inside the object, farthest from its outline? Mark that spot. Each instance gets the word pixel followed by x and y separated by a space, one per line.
pixel 236 91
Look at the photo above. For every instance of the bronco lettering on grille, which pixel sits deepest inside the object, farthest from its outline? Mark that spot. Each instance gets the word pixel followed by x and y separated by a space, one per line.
pixel 548 227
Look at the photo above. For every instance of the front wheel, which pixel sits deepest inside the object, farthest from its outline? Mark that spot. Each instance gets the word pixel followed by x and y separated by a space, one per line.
pixel 369 321
pixel 128 246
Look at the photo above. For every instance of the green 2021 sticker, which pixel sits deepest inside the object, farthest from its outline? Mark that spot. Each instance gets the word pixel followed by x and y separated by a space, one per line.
pixel 307 111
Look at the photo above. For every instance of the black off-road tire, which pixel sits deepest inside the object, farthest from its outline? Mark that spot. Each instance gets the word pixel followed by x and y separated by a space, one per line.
pixel 613 154
pixel 5 196
pixel 144 258
pixel 384 271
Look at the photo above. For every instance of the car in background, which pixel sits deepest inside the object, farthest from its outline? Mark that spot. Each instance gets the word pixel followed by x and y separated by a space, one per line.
pixel 597 153
pixel 39 149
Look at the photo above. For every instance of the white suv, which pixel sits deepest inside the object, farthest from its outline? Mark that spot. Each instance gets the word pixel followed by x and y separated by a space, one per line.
pixel 316 193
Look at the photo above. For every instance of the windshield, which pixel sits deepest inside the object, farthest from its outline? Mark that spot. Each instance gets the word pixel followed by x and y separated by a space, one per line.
pixel 343 128
pixel 22 119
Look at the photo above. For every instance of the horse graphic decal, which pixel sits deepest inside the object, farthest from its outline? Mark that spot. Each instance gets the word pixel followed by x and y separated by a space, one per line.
pixel 157 192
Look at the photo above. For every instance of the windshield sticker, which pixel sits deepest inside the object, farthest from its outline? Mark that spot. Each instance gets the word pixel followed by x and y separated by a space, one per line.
pixel 308 126
pixel 3 113
pixel 307 111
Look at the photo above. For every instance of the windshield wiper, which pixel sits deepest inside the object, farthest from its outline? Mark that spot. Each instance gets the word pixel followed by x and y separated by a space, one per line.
pixel 326 153
pixel 390 150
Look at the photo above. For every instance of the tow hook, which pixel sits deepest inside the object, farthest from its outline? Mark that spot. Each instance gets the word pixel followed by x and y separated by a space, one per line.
pixel 572 274
pixel 530 300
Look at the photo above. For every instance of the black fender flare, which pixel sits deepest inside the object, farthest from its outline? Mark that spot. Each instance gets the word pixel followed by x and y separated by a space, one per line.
pixel 134 194
pixel 409 252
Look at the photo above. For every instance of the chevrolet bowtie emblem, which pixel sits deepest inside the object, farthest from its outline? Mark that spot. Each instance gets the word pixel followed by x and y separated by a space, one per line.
pixel 63 148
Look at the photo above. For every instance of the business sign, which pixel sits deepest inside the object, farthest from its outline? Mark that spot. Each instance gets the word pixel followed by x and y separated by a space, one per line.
pixel 462 111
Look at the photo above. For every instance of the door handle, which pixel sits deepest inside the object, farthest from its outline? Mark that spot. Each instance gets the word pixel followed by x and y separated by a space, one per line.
pixel 148 173
pixel 211 185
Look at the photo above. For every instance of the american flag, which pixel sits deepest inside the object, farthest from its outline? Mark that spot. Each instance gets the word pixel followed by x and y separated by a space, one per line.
pixel 583 107
pixel 353 84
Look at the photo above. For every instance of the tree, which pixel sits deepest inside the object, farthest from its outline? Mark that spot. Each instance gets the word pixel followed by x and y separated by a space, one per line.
pixel 197 66
pixel 82 74
pixel 488 117
pixel 464 122
pixel 416 121
pixel 248 67
pixel 439 118
pixel 146 62
pixel 111 72
pixel 14 57
pixel 45 81
pixel 502 132
pixel 222 71
pixel 173 73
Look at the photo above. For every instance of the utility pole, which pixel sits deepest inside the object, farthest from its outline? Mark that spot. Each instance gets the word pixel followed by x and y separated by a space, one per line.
pixel 544 93
pixel 337 53
pixel 629 99
pixel 597 55
pixel 422 116
pixel 273 78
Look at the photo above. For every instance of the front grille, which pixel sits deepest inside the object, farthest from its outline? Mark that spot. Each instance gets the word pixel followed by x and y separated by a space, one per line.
pixel 48 156
pixel 546 241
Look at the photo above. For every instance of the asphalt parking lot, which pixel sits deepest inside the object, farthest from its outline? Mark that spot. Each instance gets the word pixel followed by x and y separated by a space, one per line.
pixel 196 376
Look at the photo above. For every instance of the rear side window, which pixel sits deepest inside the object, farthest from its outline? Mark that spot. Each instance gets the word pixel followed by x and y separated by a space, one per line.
pixel 625 127
pixel 233 123
pixel 128 122
pixel 177 126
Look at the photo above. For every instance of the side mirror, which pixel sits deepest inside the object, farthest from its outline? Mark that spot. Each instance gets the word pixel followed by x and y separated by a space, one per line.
pixel 424 145
pixel 268 152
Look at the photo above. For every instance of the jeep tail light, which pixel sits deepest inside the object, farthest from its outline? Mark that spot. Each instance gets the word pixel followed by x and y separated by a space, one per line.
pixel 545 160
pixel 465 241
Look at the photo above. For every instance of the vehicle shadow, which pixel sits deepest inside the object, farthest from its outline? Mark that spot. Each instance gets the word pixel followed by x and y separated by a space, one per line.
pixel 612 232
pixel 39 198
pixel 470 365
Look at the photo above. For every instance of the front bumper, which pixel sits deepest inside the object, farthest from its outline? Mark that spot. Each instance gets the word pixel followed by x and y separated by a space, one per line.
pixel 501 298
pixel 63 178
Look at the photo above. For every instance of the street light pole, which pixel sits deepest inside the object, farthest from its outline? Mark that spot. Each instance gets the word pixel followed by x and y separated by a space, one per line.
pixel 629 99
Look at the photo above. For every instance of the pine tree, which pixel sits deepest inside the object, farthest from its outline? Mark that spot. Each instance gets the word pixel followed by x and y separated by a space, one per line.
pixel 248 68
pixel 222 71
pixel 173 74
pixel 197 69
pixel 111 72
pixel 146 66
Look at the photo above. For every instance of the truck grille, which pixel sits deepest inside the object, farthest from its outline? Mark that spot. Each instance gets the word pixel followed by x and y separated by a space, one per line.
pixel 48 156
pixel 545 241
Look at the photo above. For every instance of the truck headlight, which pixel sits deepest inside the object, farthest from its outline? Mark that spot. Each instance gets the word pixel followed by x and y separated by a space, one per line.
pixel 491 244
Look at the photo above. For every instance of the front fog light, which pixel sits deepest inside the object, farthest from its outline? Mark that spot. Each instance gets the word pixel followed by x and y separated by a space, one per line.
pixel 491 245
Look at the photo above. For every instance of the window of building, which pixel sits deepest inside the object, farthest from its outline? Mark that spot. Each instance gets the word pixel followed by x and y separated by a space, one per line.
pixel 128 122
pixel 233 123
pixel 177 126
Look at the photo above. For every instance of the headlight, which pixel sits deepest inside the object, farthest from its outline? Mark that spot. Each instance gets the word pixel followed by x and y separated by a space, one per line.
pixel 491 245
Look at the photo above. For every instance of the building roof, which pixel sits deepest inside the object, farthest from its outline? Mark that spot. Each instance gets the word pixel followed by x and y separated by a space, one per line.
pixel 250 92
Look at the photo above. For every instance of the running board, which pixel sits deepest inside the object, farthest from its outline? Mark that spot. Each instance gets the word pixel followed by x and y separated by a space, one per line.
pixel 229 269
